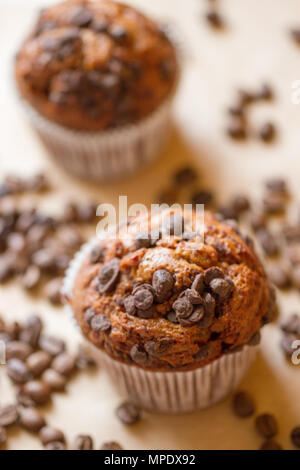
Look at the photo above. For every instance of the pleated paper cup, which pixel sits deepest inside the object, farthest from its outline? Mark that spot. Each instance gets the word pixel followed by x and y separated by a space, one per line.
pixel 167 392
pixel 108 154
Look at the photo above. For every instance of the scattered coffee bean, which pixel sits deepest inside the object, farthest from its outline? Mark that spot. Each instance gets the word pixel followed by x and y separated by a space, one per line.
pixel 18 350
pixel 83 442
pixel 48 434
pixel 268 242
pixel 214 19
pixel 38 391
pixel 266 425
pixel 243 404
pixel 267 132
pixel 270 444
pixel 53 291
pixel 295 437
pixel 111 445
pixel 52 344
pixel 56 382
pixel 38 362
pixel 31 333
pixel 8 415
pixel 237 129
pixel 31 419
pixel 128 413
pixel 279 276
pixel 17 371
pixel 64 364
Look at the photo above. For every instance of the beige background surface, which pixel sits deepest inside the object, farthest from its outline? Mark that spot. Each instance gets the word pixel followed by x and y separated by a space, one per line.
pixel 255 47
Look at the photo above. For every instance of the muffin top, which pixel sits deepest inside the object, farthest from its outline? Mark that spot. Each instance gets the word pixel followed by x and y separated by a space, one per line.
pixel 164 300
pixel 95 64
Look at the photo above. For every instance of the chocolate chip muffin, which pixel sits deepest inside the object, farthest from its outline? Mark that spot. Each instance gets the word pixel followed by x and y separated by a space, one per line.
pixel 95 67
pixel 167 298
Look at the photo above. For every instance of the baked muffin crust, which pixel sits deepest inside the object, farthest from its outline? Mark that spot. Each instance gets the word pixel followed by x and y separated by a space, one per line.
pixel 95 64
pixel 176 303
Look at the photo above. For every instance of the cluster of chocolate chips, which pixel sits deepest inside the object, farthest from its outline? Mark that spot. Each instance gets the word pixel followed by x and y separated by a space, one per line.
pixel 239 127
pixel 34 246
pixel 266 424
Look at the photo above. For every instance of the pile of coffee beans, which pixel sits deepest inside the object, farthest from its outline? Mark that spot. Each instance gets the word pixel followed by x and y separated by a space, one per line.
pixel 36 248
pixel 39 365
pixel 238 127
pixel 265 424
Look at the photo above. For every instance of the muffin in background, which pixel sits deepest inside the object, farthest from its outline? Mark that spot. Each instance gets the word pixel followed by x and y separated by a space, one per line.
pixel 97 79
pixel 175 320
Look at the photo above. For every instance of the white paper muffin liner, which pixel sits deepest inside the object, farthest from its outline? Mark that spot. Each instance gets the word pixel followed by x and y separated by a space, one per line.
pixel 104 155
pixel 167 392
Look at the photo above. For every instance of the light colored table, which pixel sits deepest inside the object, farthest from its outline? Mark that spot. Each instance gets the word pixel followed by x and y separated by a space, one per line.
pixel 255 47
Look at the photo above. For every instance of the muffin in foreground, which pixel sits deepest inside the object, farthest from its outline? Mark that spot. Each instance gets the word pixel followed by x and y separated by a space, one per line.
pixel 175 318
pixel 97 78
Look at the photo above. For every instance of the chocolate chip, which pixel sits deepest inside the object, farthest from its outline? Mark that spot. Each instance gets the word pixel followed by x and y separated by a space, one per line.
pixel 209 305
pixel 162 283
pixel 138 355
pixel 255 340
pixel 295 437
pixel 222 288
pixel 83 442
pixel 31 419
pixel 243 404
pixel 143 298
pixel 80 17
pixel 100 323
pixel 156 348
pixel 198 283
pixel 196 316
pixel 8 415
pixel 17 371
pixel 193 296
pixel 48 434
pixel 38 362
pixel 52 344
pixel 128 413
pixel 270 444
pixel 3 436
pixel 212 273
pixel 54 380
pixel 129 305
pixel 111 445
pixel 64 364
pixel 108 276
pixel 89 315
pixel 38 391
pixel 266 425
pixel 185 176
pixel 18 350
pixel 172 317
pixel 182 307
pixel 203 352
pixel 267 132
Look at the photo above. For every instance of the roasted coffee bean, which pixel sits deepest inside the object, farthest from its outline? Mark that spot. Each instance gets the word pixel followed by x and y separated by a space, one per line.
pixel 212 273
pixel 143 298
pixel 56 382
pixel 267 132
pixel 31 277
pixel 64 364
pixel 97 254
pixel 111 445
pixel 279 276
pixel 257 220
pixel 24 399
pixel 38 391
pixel 52 345
pixel 84 358
pixel 162 283
pixel 17 371
pixel 198 283
pixel 214 19
pixel 100 323
pixel 31 419
pixel 31 333
pixel 295 33
pixel 83 442
pixel 274 203
pixel 265 93
pixel 286 343
pixel 266 425
pixel 270 444
pixel 291 324
pixel 185 176
pixel 193 296
pixel 222 288
pixel 18 350
pixel 138 355
pixel 255 340
pixel 56 445
pixel 237 129
pixel 48 434
pixel 243 404
pixel 295 437
pixel 38 362
pixel 128 413
pixel 182 307
pixel 3 436
pixel 129 305
pixel 203 196
pixel 268 242
pixel 8 415
pixel 108 276
pixel 52 291
pixel 277 185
